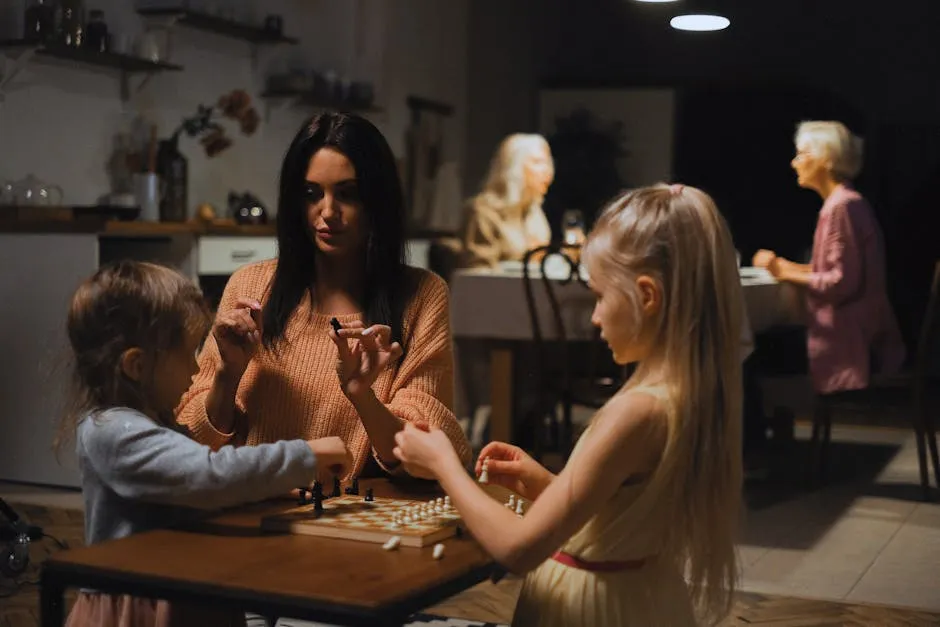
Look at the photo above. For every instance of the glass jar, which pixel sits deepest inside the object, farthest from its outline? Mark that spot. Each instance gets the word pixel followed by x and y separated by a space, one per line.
pixel 573 227
pixel 71 20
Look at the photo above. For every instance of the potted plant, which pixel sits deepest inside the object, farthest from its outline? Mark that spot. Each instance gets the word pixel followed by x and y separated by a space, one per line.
pixel 172 165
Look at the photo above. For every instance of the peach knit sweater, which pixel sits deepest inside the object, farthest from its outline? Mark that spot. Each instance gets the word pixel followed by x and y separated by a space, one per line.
pixel 296 394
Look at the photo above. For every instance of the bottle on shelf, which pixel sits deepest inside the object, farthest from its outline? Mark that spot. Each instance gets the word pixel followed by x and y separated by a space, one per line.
pixel 39 21
pixel 71 22
pixel 96 32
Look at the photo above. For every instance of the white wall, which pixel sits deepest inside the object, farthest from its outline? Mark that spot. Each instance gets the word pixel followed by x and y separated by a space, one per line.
pixel 502 79
pixel 58 122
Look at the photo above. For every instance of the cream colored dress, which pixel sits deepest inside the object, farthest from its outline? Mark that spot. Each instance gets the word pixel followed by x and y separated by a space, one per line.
pixel 628 528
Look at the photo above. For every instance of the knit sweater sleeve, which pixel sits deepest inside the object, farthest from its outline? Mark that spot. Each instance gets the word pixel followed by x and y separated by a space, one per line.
pixel 191 411
pixel 423 388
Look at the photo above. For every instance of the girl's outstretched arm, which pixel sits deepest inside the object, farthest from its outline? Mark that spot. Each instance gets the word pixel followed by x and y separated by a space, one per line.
pixel 627 439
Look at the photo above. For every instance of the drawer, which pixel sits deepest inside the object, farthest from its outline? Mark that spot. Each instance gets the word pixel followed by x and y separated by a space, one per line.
pixel 225 255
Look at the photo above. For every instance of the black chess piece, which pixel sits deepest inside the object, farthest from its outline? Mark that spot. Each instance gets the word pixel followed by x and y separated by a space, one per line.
pixel 302 500
pixel 317 497
pixel 354 488
pixel 369 496
pixel 336 487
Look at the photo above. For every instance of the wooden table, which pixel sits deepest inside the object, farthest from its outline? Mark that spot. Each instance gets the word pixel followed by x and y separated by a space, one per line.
pixel 228 560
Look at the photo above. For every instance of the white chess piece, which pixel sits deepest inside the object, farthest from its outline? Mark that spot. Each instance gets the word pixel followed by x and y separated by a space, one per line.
pixel 392 543
pixel 446 502
pixel 519 507
pixel 485 475
pixel 511 502
pixel 438 551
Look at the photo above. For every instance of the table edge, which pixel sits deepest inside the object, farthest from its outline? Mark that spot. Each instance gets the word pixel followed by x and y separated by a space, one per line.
pixel 55 573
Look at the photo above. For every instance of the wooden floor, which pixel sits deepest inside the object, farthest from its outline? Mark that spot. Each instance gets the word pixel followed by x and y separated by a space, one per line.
pixel 485 603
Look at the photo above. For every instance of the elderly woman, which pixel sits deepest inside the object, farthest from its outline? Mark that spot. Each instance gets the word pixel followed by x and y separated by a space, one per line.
pixel 852 329
pixel 506 219
pixel 285 371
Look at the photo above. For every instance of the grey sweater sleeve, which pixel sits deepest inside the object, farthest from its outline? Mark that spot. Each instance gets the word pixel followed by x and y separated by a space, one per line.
pixel 141 460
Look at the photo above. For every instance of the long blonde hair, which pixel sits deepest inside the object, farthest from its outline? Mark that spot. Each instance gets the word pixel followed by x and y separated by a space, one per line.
pixel 505 182
pixel 676 235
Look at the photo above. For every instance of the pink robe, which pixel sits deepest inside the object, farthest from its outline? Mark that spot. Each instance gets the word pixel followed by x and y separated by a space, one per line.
pixel 852 327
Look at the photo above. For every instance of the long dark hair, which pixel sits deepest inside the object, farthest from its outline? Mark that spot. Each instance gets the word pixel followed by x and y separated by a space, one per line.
pixel 127 304
pixel 386 288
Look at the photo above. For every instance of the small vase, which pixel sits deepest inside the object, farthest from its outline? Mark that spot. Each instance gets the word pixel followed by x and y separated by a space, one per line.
pixel 173 170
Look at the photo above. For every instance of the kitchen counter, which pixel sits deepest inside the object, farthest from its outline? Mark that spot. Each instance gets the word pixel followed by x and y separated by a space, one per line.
pixel 134 228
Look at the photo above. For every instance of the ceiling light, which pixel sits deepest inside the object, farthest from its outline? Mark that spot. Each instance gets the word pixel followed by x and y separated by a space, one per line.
pixel 656 1
pixel 700 22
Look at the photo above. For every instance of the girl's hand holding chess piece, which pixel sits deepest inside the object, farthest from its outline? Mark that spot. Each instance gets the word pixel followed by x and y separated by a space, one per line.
pixel 333 458
pixel 360 361
pixel 426 452
pixel 511 467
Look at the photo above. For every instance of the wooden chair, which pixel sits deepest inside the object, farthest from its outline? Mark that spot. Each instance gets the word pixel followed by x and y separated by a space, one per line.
pixel 912 390
pixel 558 384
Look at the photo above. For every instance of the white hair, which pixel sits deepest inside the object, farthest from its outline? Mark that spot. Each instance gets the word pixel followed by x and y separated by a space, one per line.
pixel 834 142
pixel 506 178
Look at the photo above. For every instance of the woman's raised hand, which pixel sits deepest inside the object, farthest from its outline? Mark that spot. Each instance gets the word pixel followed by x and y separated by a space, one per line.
pixel 363 353
pixel 237 333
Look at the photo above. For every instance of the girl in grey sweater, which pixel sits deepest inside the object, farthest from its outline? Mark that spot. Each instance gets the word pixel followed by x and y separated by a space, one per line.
pixel 134 330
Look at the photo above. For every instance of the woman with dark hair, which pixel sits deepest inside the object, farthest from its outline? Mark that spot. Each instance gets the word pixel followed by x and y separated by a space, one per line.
pixel 285 371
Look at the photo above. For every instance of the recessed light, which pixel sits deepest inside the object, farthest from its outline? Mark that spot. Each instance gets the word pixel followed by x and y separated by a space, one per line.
pixel 699 22
pixel 656 1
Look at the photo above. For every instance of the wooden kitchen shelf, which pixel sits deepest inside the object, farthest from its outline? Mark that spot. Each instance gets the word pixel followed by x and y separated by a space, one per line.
pixel 310 99
pixel 132 228
pixel 218 25
pixel 83 56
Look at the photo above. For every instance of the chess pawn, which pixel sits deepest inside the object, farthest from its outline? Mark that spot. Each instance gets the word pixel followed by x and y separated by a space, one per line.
pixel 485 474
pixel 512 501
pixel 446 502
pixel 519 507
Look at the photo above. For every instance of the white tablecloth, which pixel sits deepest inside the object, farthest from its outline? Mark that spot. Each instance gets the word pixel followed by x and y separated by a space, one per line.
pixel 491 304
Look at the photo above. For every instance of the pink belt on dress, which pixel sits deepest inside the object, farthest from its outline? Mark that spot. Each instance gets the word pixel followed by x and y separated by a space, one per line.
pixel 598 567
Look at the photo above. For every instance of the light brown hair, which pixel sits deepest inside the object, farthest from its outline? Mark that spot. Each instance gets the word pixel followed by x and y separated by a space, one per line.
pixel 128 304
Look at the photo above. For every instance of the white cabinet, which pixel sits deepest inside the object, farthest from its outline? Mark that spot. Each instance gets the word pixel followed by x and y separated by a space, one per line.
pixel 223 255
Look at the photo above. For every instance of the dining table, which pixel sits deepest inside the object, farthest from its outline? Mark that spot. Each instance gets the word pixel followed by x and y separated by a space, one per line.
pixel 228 559
pixel 489 306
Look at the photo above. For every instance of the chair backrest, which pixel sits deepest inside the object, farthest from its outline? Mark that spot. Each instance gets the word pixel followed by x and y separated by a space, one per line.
pixel 572 272
pixel 927 359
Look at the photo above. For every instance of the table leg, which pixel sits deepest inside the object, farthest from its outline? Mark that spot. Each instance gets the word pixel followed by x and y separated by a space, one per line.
pixel 51 601
pixel 501 394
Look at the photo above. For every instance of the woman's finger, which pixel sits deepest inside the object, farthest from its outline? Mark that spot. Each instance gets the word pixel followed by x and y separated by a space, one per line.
pixel 342 345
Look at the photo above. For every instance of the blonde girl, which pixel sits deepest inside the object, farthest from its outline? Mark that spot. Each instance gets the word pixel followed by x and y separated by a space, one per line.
pixel 639 527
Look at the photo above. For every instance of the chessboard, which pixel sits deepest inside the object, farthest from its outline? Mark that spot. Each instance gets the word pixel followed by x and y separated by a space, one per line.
pixel 351 517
